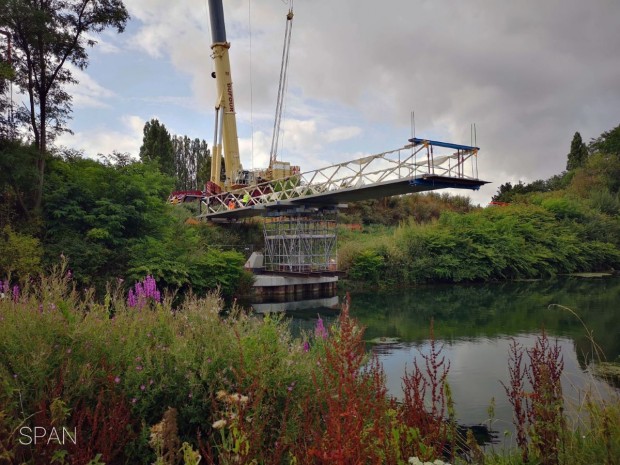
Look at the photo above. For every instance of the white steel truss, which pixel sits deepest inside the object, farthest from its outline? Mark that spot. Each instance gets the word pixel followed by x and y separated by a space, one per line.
pixel 407 162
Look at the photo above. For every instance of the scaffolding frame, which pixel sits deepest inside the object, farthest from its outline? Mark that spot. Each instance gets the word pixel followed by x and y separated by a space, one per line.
pixel 301 242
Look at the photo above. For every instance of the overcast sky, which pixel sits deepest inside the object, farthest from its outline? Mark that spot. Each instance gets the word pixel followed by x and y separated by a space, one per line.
pixel 529 74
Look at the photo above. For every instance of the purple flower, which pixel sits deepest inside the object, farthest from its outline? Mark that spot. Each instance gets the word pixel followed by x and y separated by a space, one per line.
pixel 142 292
pixel 117 379
pixel 320 330
pixel 142 387
pixel 134 400
pixel 306 346
pixel 15 293
pixel 139 368
pixel 131 299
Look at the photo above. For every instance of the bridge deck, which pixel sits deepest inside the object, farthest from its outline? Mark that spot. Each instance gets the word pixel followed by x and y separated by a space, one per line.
pixel 418 167
pixel 352 194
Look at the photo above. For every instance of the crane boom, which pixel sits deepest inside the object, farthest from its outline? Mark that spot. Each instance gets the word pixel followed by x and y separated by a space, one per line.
pixel 226 142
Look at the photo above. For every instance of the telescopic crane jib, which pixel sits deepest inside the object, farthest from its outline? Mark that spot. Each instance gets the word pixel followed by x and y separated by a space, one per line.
pixel 225 140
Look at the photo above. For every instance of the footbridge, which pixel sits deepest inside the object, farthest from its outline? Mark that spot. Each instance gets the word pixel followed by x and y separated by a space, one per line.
pixel 300 212
pixel 422 165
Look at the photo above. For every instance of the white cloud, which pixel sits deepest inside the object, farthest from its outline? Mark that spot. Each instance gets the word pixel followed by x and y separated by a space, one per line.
pixel 102 140
pixel 342 133
pixel 88 93
pixel 102 45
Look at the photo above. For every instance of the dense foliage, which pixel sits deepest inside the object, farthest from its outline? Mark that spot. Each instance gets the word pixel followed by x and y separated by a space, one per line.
pixel 48 37
pixel 110 220
pixel 566 224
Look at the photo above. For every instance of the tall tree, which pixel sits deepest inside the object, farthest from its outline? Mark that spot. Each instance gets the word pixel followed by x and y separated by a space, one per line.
pixel 578 153
pixel 157 147
pixel 190 159
pixel 608 142
pixel 7 74
pixel 48 35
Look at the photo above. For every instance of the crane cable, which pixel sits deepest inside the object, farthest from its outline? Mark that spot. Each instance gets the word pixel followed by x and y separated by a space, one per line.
pixel 282 86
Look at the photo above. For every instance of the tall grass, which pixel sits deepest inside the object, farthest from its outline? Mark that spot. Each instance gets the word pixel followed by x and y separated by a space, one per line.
pixel 150 384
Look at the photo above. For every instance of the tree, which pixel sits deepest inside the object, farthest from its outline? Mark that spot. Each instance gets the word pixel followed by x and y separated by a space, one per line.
pixel 48 35
pixel 18 179
pixel 578 153
pixel 7 74
pixel 157 147
pixel 192 162
pixel 608 142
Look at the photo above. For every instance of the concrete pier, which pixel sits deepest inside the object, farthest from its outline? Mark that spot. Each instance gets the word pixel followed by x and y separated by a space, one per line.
pixel 271 287
pixel 283 287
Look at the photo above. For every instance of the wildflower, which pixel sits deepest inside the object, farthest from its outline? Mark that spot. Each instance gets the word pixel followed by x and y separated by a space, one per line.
pixel 69 350
pixel 131 299
pixel 219 424
pixel 52 307
pixel 221 395
pixel 117 379
pixel 151 382
pixel 138 367
pixel 306 346
pixel 142 292
pixel 142 387
pixel 320 330
pixel 134 400
pixel 190 395
pixel 15 293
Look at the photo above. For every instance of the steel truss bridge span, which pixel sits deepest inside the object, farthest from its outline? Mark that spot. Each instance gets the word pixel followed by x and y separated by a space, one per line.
pixel 416 167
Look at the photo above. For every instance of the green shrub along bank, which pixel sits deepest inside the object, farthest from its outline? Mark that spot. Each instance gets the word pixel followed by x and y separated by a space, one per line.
pixel 570 223
pixel 134 381
pixel 521 241
pixel 111 221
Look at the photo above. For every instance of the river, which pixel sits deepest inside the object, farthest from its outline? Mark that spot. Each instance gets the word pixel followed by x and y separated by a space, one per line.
pixel 476 324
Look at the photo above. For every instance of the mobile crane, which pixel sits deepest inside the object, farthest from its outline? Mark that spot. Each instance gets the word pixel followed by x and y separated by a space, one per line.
pixel 225 139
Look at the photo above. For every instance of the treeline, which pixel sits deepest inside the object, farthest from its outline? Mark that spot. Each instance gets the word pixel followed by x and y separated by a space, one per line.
pixel 186 160
pixel 110 221
pixel 566 224
pixel 390 211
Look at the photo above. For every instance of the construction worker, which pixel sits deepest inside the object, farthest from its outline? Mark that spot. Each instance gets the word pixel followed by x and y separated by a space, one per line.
pixel 231 204
pixel 246 199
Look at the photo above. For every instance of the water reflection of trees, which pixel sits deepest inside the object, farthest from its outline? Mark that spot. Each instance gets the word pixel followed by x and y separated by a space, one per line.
pixel 490 310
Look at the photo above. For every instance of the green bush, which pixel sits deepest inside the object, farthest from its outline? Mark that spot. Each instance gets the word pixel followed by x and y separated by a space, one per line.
pixel 20 254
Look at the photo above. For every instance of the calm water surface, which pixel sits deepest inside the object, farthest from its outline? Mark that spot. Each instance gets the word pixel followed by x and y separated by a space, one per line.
pixel 476 324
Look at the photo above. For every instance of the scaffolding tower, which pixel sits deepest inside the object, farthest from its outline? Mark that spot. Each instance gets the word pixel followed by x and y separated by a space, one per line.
pixel 301 242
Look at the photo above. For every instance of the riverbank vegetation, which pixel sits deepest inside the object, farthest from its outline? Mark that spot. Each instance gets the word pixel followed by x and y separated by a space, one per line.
pixel 138 381
pixel 566 224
